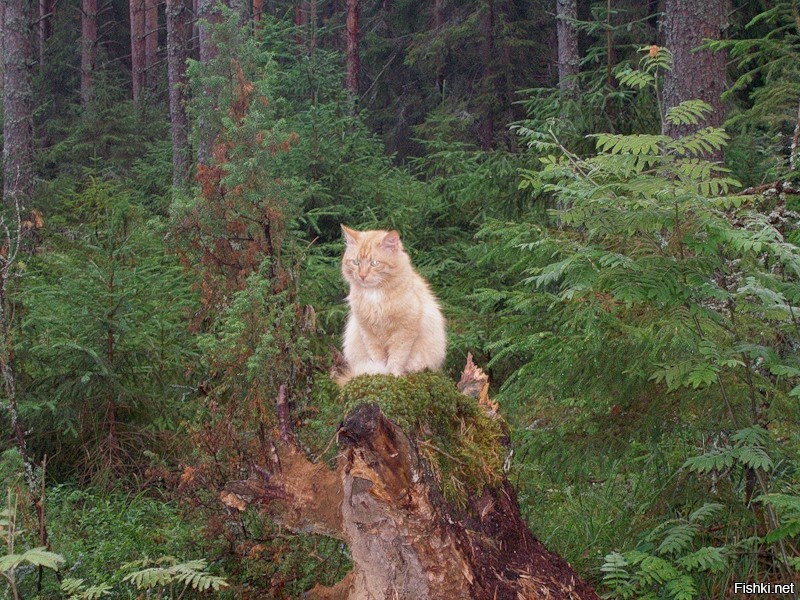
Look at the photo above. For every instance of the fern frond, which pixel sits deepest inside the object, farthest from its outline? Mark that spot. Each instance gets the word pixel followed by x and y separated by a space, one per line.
pixel 708 558
pixel 705 512
pixel 681 588
pixel 654 569
pixel 688 112
pixel 631 144
pixel 633 78
pixel 678 538
pixel 717 459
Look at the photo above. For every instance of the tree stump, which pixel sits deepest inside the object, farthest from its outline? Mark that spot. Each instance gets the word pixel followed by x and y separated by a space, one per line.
pixel 407 539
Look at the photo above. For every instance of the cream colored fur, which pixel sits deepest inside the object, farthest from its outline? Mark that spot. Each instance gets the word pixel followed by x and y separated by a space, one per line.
pixel 395 324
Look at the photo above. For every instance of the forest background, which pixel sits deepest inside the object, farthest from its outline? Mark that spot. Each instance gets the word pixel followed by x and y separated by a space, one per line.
pixel 602 193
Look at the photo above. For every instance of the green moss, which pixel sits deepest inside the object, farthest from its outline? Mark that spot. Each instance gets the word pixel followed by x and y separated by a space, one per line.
pixel 459 440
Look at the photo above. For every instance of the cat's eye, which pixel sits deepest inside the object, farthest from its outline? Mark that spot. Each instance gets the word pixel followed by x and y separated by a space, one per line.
pixel 373 263
pixel 355 261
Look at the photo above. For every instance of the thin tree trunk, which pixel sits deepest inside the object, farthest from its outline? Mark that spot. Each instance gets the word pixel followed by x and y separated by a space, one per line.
pixel 312 33
pixel 609 45
pixel 177 55
pixel 138 60
pixel 486 130
pixel 88 48
pixel 258 8
pixel 652 20
pixel 568 56
pixel 46 8
pixel 695 74
pixel 301 13
pixel 240 6
pixel 2 33
pixel 438 25
pixel 18 102
pixel 196 29
pixel 151 43
pixel 353 56
pixel 794 149
pixel 207 16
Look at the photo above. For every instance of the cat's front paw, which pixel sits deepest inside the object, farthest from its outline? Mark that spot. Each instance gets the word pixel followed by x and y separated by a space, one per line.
pixel 373 367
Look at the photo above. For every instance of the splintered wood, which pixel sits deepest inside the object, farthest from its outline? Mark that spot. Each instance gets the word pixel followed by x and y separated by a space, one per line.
pixel 406 541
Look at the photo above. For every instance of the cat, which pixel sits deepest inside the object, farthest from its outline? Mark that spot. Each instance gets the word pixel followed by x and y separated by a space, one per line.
pixel 395 325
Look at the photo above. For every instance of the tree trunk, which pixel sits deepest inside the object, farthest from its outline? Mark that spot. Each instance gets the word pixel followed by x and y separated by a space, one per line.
pixel 794 147
pixel 242 7
pixel 151 43
pixel 695 75
pixel 486 128
pixel 177 55
pixel 2 32
pixel 652 20
pixel 138 60
pixel 438 25
pixel 18 102
pixel 46 8
pixel 196 29
pixel 258 8
pixel 406 541
pixel 353 56
pixel 568 56
pixel 207 15
pixel 88 48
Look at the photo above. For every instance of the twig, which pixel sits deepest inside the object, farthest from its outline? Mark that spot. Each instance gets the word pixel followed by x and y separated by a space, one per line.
pixel 440 451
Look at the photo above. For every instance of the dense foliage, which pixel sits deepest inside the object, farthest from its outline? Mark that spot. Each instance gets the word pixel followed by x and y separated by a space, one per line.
pixel 635 306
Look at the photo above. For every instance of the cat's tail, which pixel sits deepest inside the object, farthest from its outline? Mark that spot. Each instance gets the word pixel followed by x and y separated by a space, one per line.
pixel 340 371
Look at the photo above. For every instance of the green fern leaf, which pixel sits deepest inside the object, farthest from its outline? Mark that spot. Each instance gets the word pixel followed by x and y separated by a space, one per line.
pixel 689 112
pixel 705 512
pixel 708 558
pixel 717 459
pixel 753 457
pixel 635 79
pixel 654 569
pixel 678 538
pixel 682 588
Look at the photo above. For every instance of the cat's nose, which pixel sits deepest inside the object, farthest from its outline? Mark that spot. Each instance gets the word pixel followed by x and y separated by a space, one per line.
pixel 363 276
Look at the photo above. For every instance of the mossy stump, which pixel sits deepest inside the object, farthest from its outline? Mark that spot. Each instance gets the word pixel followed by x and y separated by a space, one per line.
pixel 419 495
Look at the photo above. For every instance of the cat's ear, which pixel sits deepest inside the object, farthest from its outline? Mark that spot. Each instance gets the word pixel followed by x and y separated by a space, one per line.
pixel 391 241
pixel 350 235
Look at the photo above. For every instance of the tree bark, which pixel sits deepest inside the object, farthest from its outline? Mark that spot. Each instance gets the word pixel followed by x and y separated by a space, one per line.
pixel 18 102
pixel 46 8
pixel 695 75
pixel 178 13
pixel 88 48
pixel 794 147
pixel 486 127
pixel 242 7
pixel 353 56
pixel 151 43
pixel 438 25
pixel 2 31
pixel 258 8
pixel 405 539
pixel 568 56
pixel 207 16
pixel 138 59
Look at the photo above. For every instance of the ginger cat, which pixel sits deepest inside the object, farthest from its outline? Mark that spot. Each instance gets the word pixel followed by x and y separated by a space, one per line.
pixel 395 324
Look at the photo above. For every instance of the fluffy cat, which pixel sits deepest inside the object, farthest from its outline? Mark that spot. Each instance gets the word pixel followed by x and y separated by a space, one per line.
pixel 395 325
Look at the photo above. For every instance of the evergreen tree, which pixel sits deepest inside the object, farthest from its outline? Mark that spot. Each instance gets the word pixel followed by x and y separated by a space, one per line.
pixel 18 104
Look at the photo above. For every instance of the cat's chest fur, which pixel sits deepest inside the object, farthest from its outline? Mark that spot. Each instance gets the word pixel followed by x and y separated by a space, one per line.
pixel 375 310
